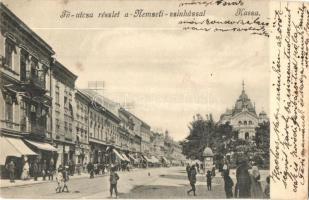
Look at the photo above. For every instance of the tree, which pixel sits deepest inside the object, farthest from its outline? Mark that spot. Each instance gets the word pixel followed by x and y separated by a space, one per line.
pixel 201 132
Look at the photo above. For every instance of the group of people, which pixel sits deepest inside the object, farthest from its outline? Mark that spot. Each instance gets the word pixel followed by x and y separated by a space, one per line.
pixel 247 184
pixel 62 179
pixel 26 168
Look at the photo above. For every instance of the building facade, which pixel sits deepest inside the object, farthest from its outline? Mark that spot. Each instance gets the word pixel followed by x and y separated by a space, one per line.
pixel 63 91
pixel 25 98
pixel 243 117
pixel 82 148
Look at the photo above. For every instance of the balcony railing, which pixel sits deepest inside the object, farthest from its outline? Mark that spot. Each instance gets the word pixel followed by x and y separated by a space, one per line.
pixel 35 80
pixel 37 129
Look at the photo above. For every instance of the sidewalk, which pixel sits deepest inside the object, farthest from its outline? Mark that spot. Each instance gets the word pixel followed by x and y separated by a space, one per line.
pixel 5 183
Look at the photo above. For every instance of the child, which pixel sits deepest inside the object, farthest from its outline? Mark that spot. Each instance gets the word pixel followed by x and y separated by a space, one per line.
pixel 59 179
pixel 208 177
pixel 267 188
pixel 113 182
pixel 65 179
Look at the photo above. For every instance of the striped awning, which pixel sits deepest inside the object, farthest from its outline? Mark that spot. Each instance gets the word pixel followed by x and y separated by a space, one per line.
pixel 13 147
pixel 118 154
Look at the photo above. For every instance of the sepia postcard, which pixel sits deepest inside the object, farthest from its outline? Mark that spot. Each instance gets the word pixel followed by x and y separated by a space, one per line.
pixel 154 99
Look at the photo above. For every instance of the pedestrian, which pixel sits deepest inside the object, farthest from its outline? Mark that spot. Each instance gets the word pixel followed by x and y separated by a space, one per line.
pixel 188 171
pixel 192 180
pixel 11 168
pixel 213 171
pixel 65 174
pixel 228 185
pixel 113 182
pixel 256 188
pixel 90 168
pixel 35 170
pixel 267 188
pixel 44 170
pixel 25 173
pixel 208 179
pixel 198 168
pixel 243 180
pixel 59 179
pixel 51 170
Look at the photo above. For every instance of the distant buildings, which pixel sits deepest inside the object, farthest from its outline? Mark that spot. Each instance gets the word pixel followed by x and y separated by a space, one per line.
pixel 43 116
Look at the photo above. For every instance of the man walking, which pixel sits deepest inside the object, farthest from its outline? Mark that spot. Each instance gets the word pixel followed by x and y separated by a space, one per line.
pixel 35 170
pixel 243 181
pixel 188 171
pixel 11 168
pixel 192 180
pixel 113 182
pixel 44 169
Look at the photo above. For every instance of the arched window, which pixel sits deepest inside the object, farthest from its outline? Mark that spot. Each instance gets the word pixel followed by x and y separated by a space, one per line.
pixel 240 123
pixel 245 122
pixel 250 122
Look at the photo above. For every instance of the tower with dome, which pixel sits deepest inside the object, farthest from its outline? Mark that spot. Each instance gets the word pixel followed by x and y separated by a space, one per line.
pixel 243 116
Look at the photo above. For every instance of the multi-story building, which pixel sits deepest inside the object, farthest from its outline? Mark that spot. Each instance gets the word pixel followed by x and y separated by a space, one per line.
pixel 63 91
pixel 145 136
pixel 25 98
pixel 82 149
pixel 104 138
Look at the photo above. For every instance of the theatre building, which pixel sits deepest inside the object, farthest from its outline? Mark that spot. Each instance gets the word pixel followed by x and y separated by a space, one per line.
pixel 25 101
pixel 63 83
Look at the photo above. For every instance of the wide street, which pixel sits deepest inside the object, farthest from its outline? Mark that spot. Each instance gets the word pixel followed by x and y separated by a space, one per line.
pixel 140 183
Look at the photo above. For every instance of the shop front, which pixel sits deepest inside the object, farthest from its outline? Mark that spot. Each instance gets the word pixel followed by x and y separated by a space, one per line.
pixel 14 149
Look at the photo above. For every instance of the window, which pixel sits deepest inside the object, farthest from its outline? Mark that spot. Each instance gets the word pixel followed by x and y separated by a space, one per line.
pixel 245 122
pixel 240 123
pixel 9 49
pixel 9 108
pixel 34 67
pixel 57 97
pixel 23 65
pixel 250 122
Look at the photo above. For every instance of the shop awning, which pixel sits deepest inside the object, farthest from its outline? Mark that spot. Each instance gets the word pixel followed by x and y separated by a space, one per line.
pixel 42 146
pixel 125 157
pixel 118 154
pixel 130 156
pixel 13 147
pixel 154 159
pixel 164 159
pixel 147 159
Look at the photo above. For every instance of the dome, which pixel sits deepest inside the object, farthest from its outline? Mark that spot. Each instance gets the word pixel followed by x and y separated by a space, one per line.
pixel 208 152
pixel 263 113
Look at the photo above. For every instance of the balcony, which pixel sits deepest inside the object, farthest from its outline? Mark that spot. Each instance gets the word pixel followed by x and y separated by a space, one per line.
pixel 31 79
pixel 10 125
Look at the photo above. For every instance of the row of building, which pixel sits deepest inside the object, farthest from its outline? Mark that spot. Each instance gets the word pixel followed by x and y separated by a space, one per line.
pixel 44 116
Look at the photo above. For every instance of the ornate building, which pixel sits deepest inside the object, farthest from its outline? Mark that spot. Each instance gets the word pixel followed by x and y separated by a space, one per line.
pixel 243 117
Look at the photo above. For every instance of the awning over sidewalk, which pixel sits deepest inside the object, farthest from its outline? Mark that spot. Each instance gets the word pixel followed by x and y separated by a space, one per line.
pixel 125 157
pixel 154 159
pixel 118 154
pixel 164 159
pixel 131 157
pixel 147 159
pixel 42 146
pixel 13 147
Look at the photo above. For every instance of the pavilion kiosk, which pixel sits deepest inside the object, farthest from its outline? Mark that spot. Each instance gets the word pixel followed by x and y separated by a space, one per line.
pixel 208 159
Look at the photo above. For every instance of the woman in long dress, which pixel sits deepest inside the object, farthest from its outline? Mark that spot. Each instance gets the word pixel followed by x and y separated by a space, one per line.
pixel 25 173
pixel 256 189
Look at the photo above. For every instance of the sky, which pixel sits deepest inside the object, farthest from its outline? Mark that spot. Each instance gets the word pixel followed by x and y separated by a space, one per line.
pixel 168 74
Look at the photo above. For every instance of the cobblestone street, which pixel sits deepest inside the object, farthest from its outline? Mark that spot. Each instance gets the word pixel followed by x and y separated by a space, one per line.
pixel 140 183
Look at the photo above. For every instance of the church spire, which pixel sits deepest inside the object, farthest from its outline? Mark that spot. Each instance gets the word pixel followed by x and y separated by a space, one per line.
pixel 243 85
